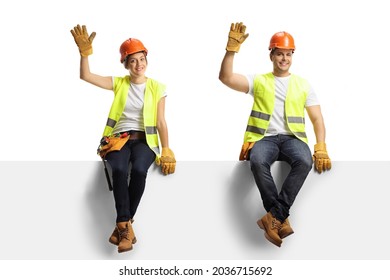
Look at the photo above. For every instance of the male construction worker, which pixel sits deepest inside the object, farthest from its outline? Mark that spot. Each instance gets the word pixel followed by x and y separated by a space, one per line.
pixel 276 128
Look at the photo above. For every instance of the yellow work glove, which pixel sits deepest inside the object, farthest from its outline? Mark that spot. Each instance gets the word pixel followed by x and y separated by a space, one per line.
pixel 321 159
pixel 167 161
pixel 246 147
pixel 236 37
pixel 83 41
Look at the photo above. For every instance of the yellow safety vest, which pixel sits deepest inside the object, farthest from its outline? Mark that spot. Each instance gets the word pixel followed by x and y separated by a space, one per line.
pixel 153 92
pixel 264 102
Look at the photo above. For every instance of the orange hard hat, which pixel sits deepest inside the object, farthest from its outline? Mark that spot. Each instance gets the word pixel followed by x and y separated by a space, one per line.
pixel 131 46
pixel 282 40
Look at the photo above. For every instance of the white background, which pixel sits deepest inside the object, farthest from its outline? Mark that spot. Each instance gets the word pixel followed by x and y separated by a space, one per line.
pixel 48 113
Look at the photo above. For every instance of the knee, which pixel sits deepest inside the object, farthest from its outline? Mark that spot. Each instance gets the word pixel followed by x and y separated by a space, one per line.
pixel 259 165
pixel 305 163
pixel 120 170
pixel 139 170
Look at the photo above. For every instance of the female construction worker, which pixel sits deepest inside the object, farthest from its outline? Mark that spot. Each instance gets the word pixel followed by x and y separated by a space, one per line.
pixel 276 128
pixel 134 128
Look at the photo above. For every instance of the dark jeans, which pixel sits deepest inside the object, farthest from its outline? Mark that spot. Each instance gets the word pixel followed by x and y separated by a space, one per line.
pixel 280 148
pixel 128 195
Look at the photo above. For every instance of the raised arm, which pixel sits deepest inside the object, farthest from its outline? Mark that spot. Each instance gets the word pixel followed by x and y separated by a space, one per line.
pixel 97 80
pixel 84 43
pixel 226 75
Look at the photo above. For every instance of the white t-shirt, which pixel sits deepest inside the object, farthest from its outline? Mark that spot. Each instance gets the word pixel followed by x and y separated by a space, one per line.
pixel 132 116
pixel 278 123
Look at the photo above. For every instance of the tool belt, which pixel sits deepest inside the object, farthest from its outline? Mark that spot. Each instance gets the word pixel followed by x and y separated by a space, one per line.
pixel 116 141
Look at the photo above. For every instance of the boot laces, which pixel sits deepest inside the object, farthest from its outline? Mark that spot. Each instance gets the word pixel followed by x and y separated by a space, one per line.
pixel 124 233
pixel 276 224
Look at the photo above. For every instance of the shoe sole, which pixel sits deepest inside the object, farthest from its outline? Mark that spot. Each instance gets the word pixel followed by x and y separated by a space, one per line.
pixel 284 236
pixel 261 225
pixel 125 250
pixel 117 243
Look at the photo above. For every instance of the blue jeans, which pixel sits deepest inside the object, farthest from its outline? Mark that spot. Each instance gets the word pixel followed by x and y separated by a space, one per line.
pixel 280 148
pixel 128 195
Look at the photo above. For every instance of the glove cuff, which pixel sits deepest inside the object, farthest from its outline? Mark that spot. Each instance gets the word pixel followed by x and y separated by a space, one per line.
pixel 86 51
pixel 321 146
pixel 167 152
pixel 233 49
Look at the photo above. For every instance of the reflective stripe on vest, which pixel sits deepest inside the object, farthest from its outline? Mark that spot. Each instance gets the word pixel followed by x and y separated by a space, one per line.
pixel 264 102
pixel 153 92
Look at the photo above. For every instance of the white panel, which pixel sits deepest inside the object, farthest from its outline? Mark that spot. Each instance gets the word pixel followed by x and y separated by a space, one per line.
pixel 206 210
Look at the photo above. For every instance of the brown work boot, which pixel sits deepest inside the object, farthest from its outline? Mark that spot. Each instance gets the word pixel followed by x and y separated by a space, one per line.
pixel 271 226
pixel 285 229
pixel 114 238
pixel 126 236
